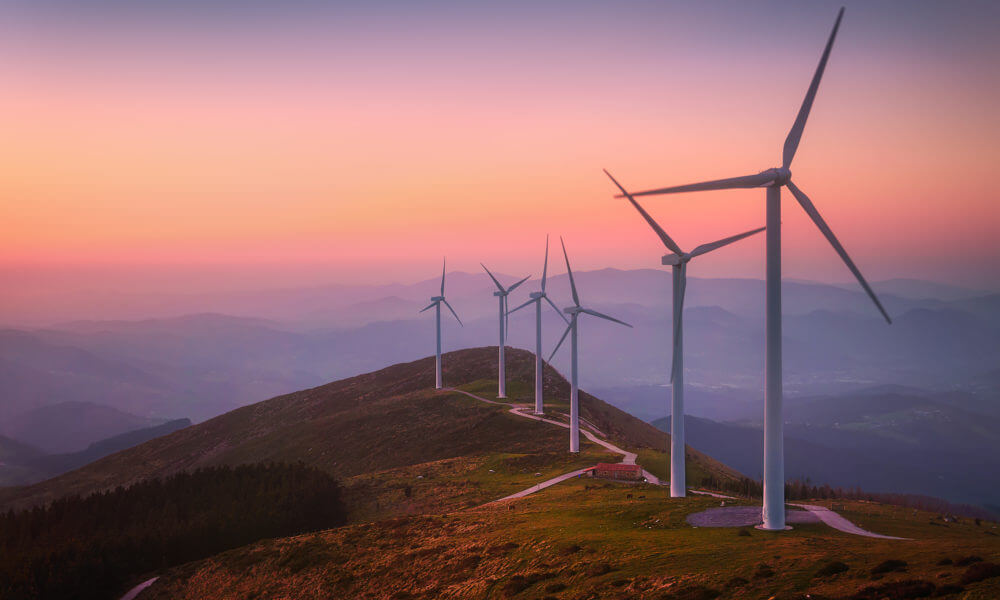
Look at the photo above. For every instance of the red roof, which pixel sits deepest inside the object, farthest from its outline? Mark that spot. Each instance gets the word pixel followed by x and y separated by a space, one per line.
pixel 616 467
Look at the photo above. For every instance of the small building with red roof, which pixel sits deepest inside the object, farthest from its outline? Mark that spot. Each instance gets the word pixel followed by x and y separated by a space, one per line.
pixel 618 471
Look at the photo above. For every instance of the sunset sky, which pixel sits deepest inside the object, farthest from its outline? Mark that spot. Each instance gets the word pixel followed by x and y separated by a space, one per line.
pixel 256 144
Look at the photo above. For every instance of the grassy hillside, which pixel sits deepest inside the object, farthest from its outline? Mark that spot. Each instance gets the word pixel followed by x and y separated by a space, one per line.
pixel 580 540
pixel 385 434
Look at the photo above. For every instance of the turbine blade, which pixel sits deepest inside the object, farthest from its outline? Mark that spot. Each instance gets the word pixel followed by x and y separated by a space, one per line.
pixel 444 262
pixel 545 267
pixel 795 134
pixel 810 209
pixel 499 287
pixel 561 340
pixel 511 288
pixel 705 248
pixel 747 181
pixel 429 306
pixel 556 308
pixel 667 241
pixel 522 306
pixel 603 316
pixel 454 313
pixel 678 319
pixel 572 283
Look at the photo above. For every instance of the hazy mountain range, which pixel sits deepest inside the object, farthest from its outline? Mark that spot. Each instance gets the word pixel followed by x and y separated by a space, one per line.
pixel 888 439
pixel 21 464
pixel 945 342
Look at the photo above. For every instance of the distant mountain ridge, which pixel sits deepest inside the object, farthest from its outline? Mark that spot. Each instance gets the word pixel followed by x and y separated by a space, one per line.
pixel 21 464
pixel 881 440
pixel 71 426
pixel 388 419
pixel 201 365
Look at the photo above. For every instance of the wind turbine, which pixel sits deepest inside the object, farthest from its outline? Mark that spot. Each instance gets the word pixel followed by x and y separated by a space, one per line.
pixel 574 313
pixel 773 180
pixel 678 260
pixel 502 293
pixel 436 302
pixel 536 298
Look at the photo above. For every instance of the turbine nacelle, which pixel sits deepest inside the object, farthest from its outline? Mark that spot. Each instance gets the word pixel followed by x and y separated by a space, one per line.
pixel 675 260
pixel 437 298
pixel 536 295
pixel 499 293
pixel 780 175
pixel 573 310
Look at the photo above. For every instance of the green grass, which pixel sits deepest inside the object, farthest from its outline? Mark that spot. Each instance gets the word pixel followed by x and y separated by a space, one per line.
pixel 590 537
pixel 657 462
pixel 518 392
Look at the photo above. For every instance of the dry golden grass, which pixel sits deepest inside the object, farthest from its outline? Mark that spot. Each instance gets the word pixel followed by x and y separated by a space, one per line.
pixel 586 540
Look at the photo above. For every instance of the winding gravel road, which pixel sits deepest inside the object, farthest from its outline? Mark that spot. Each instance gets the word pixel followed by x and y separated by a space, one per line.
pixel 132 593
pixel 824 514
pixel 841 524
pixel 628 458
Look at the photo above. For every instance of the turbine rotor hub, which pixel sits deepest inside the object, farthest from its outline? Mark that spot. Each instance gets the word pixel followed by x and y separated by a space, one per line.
pixel 781 176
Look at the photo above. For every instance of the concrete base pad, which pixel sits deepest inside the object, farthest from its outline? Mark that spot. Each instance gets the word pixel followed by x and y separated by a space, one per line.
pixel 743 516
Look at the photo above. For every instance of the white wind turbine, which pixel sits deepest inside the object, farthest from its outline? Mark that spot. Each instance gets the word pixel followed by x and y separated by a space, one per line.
pixel 678 260
pixel 536 298
pixel 574 314
pixel 773 180
pixel 502 294
pixel 436 302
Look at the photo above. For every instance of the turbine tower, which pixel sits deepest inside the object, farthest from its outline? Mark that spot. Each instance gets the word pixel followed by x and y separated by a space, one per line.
pixel 536 298
pixel 574 315
pixel 678 260
pixel 773 180
pixel 502 293
pixel 436 302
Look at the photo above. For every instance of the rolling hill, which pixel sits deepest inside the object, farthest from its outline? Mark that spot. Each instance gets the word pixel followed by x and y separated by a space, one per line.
pixel 21 464
pixel 67 427
pixel 13 458
pixel 883 440
pixel 383 432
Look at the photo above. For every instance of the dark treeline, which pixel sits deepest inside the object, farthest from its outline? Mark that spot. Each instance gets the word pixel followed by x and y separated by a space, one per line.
pixel 805 490
pixel 92 547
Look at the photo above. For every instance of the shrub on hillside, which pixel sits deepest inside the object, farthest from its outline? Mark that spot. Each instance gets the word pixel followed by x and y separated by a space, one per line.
pixel 763 572
pixel 979 572
pixel 889 566
pixel 948 589
pixel 692 592
pixel 897 590
pixel 832 568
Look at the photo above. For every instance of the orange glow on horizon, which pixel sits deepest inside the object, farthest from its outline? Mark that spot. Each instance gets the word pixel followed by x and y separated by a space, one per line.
pixel 390 162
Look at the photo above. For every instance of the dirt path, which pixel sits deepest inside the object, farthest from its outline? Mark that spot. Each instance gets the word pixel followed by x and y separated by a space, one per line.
pixel 628 458
pixel 840 523
pixel 132 593
pixel 821 512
